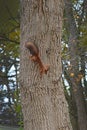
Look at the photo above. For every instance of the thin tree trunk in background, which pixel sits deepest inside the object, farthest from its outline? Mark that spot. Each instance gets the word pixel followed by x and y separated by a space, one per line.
pixel 72 103
pixel 43 102
pixel 76 86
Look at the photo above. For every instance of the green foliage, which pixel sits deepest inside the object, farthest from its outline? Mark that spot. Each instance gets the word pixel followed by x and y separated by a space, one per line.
pixel 8 15
pixel 9 61
pixel 83 36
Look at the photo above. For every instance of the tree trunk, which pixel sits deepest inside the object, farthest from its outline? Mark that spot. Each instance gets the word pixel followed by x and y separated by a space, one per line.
pixel 76 86
pixel 43 103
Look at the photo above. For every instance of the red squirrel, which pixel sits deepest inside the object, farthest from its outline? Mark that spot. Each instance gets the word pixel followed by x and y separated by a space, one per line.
pixel 34 51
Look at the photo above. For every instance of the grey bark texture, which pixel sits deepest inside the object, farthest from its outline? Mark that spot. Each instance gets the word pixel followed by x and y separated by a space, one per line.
pixel 43 102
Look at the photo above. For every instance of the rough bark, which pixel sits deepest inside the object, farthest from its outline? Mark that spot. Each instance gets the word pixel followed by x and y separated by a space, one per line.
pixel 73 50
pixel 43 103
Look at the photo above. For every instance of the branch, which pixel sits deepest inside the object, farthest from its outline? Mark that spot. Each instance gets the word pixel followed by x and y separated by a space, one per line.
pixel 4 38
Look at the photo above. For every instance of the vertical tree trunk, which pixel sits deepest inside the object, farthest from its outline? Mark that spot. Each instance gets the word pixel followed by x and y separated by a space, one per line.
pixel 43 103
pixel 76 86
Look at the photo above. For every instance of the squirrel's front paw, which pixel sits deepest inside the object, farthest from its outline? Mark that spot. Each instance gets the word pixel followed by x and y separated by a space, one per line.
pixel 44 69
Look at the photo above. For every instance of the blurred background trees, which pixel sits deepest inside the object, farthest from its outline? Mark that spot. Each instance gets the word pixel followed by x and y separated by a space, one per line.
pixel 74 60
pixel 75 71
pixel 9 62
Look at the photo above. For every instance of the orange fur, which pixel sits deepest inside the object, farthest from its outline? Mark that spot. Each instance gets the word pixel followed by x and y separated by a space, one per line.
pixel 34 51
